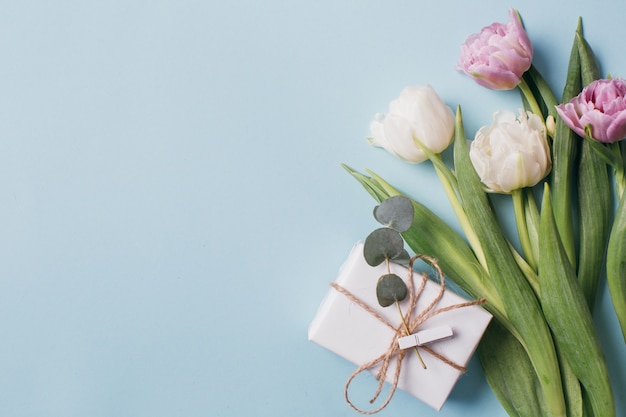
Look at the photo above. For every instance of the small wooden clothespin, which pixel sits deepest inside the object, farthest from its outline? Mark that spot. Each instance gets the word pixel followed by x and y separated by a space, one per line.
pixel 425 336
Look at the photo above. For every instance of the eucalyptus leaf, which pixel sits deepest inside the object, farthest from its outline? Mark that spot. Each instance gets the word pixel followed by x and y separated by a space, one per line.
pixel 430 234
pixel 390 288
pixel 381 244
pixel 395 212
pixel 403 259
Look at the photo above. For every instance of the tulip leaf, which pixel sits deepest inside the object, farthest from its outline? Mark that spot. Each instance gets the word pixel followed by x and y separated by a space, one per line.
pixel 573 391
pixel 510 373
pixel 616 264
pixel 372 187
pixel 589 66
pixel 594 194
pixel 382 244
pixel 565 149
pixel 604 151
pixel 518 298
pixel 395 212
pixel 569 317
pixel 389 289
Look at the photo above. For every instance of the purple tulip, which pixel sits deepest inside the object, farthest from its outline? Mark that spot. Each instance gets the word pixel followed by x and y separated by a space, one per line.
pixel 498 56
pixel 602 106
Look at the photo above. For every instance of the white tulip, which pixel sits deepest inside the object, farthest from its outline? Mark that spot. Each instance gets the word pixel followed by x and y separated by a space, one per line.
pixel 511 153
pixel 418 114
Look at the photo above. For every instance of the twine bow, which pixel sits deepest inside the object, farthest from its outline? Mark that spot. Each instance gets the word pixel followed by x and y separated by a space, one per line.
pixel 393 351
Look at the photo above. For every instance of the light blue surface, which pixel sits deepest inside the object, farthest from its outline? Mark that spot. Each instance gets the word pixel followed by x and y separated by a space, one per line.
pixel 172 207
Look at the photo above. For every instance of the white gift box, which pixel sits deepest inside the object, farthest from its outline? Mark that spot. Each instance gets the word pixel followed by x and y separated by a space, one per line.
pixel 344 327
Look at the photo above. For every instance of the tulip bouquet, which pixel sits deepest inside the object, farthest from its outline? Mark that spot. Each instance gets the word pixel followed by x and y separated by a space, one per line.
pixel 541 355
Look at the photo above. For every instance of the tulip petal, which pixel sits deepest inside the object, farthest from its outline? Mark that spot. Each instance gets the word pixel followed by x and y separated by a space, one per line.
pixel 402 144
pixel 617 128
pixel 601 105
pixel 571 118
pixel 511 153
pixel 418 113
pixel 599 123
pixel 498 56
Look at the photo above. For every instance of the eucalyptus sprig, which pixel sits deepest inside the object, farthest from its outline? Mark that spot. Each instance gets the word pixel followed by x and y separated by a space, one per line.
pixel 385 244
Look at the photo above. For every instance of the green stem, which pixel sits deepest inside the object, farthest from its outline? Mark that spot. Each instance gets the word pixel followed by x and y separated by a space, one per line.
pixel 408 333
pixel 618 170
pixel 460 214
pixel 522 227
pixel 532 220
pixel 450 184
pixel 530 98
pixel 616 265
pixel 546 93
pixel 529 272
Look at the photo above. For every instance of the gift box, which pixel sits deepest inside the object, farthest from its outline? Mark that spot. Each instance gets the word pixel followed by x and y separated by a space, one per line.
pixel 344 325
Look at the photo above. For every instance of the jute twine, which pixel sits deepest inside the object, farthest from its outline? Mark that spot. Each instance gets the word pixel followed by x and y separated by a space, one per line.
pixel 413 323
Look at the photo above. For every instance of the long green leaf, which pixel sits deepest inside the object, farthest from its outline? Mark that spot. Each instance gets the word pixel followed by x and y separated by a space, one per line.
pixel 569 317
pixel 571 388
pixel 594 197
pixel 589 66
pixel 565 149
pixel 594 194
pixel 605 153
pixel 510 373
pixel 519 300
pixel 616 264
pixel 372 187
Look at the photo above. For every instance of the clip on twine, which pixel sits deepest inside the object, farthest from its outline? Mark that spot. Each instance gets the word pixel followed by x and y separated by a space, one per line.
pixel 413 323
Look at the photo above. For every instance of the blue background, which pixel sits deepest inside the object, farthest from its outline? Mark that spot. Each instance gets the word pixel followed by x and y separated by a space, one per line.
pixel 172 206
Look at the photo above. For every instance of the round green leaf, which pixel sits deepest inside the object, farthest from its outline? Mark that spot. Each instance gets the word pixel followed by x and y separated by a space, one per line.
pixel 395 212
pixel 403 258
pixel 390 288
pixel 381 244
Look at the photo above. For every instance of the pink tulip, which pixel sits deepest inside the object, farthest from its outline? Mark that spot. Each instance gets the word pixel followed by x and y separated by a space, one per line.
pixel 602 106
pixel 498 56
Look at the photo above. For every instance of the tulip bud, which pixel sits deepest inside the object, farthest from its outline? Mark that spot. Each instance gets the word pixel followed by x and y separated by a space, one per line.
pixel 602 106
pixel 498 56
pixel 512 152
pixel 419 113
pixel 550 125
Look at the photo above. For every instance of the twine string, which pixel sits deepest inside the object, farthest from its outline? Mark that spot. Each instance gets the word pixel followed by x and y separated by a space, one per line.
pixel 393 350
